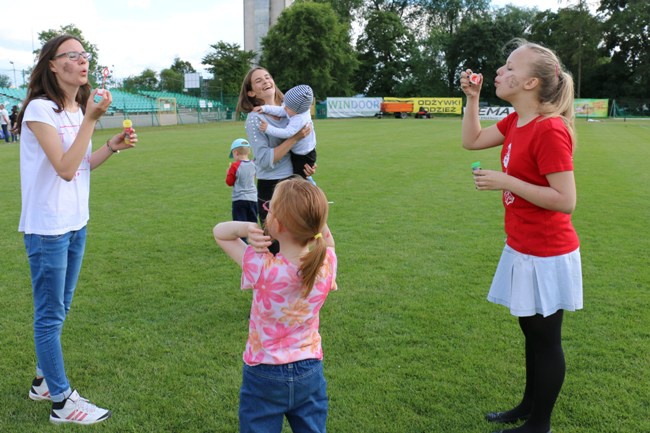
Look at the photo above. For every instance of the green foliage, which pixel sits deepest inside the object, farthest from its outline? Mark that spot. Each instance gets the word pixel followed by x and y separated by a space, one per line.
pixel 158 325
pixel 309 44
pixel 386 51
pixel 5 80
pixel 182 66
pixel 575 35
pixel 147 80
pixel 478 44
pixel 94 75
pixel 171 80
pixel 627 38
pixel 229 64
pixel 345 9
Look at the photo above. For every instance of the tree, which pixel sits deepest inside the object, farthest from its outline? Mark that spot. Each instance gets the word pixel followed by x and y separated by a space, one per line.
pixel 444 19
pixel 575 35
pixel 94 70
pixel 480 44
pixel 627 39
pixel 147 80
pixel 181 66
pixel 228 64
pixel 345 9
pixel 386 52
pixel 172 79
pixel 309 44
pixel 5 80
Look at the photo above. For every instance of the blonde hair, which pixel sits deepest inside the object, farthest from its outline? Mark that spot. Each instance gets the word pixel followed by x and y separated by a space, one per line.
pixel 301 207
pixel 556 94
pixel 242 150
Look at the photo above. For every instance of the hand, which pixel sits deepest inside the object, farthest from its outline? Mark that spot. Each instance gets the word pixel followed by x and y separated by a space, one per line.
pixel 305 131
pixel 263 125
pixel 95 110
pixel 309 170
pixel 257 239
pixel 117 141
pixel 258 109
pixel 470 89
pixel 490 180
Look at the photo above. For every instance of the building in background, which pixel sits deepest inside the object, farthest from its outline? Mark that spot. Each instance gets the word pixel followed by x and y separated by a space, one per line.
pixel 259 16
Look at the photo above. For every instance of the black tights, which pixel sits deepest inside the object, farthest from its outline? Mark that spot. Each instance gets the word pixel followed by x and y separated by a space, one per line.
pixel 545 370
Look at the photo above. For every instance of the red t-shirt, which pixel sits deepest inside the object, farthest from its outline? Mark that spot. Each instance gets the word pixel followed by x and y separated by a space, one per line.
pixel 529 153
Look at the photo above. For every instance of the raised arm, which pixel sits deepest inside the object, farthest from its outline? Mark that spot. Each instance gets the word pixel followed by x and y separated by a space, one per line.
pixel 274 110
pixel 296 123
pixel 228 236
pixel 265 155
pixel 66 163
pixel 474 137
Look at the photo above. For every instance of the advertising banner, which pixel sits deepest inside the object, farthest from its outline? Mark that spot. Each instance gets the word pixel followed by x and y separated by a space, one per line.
pixel 433 105
pixel 591 107
pixel 494 113
pixel 352 107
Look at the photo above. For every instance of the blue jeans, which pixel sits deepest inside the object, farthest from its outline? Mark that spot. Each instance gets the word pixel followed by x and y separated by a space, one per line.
pixel 55 262
pixel 271 392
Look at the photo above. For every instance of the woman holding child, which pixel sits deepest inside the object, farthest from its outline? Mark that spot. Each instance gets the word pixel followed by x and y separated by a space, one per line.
pixel 271 154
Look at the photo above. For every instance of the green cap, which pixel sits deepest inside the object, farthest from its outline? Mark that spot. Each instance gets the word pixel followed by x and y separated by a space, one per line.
pixel 476 165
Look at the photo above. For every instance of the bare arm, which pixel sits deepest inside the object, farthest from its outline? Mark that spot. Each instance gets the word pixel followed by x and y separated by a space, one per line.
pixel 559 196
pixel 115 143
pixel 65 163
pixel 474 137
pixel 228 236
pixel 327 235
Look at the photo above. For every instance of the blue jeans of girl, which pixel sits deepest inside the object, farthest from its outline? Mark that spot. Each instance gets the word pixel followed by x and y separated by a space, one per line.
pixel 55 262
pixel 271 392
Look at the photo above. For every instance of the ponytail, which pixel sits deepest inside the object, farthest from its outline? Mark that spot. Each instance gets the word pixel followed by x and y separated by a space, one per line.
pixel 556 94
pixel 302 209
pixel 312 263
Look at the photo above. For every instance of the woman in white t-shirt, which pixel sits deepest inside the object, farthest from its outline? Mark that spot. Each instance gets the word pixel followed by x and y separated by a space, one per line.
pixel 56 124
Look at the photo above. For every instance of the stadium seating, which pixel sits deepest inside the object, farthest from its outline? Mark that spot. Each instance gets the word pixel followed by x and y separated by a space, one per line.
pixel 144 101
pixel 11 96
pixel 182 100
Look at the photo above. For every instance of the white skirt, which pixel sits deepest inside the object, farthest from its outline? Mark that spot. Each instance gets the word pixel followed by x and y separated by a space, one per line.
pixel 530 285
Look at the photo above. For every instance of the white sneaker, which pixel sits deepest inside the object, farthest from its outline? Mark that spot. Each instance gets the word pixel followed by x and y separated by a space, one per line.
pixel 78 410
pixel 39 390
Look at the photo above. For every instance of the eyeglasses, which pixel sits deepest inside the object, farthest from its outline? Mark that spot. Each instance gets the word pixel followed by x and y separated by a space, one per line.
pixel 74 55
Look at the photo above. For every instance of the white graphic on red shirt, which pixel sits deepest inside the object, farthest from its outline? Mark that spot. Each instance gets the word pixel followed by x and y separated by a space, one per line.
pixel 508 197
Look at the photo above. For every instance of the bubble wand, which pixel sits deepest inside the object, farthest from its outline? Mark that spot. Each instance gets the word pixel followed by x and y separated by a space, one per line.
pixel 105 74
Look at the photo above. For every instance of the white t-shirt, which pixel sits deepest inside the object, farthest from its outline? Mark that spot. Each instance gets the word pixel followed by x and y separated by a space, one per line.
pixel 4 117
pixel 51 205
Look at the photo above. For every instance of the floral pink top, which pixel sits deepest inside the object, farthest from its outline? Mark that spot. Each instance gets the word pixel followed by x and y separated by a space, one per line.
pixel 283 325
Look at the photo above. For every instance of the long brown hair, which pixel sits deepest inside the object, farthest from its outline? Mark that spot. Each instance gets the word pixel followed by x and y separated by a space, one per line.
pixel 301 207
pixel 246 103
pixel 43 83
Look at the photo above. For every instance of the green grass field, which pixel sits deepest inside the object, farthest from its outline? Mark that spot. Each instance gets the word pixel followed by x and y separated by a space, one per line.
pixel 411 345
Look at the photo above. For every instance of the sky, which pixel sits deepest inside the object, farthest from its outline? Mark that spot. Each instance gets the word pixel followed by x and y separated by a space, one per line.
pixel 132 35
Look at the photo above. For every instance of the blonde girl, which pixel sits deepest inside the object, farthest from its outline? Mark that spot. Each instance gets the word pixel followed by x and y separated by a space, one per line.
pixel 283 372
pixel 539 274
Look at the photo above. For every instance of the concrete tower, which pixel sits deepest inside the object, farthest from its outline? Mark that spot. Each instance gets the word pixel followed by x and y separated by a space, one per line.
pixel 259 16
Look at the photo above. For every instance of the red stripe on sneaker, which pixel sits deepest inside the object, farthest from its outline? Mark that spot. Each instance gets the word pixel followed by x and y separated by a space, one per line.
pixel 72 415
pixel 46 394
pixel 83 415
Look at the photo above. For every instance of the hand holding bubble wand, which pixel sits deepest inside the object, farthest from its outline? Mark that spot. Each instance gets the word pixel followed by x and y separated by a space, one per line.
pixel 105 74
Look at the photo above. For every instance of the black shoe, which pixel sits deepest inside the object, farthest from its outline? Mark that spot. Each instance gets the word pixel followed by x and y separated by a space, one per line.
pixel 504 417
